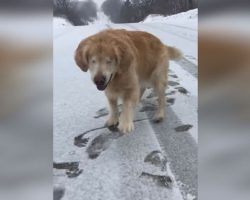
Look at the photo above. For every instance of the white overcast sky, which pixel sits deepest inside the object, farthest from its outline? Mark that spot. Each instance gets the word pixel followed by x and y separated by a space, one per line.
pixel 99 2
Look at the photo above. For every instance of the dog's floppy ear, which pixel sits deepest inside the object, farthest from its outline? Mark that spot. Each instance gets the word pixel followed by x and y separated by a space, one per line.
pixel 81 57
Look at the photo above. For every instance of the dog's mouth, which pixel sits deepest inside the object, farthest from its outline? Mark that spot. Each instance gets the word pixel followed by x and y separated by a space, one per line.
pixel 103 86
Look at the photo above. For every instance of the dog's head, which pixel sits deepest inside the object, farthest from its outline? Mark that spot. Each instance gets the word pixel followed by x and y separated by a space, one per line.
pixel 104 57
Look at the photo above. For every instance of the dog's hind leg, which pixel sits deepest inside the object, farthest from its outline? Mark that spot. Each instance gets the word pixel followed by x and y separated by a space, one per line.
pixel 159 84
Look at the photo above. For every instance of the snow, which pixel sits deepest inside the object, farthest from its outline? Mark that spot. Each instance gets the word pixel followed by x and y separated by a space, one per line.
pixel 60 22
pixel 190 197
pixel 101 19
pixel 60 25
pixel 115 173
pixel 188 104
pixel 188 19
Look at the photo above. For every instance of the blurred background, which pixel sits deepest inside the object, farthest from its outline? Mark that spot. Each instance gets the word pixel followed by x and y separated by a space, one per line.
pixel 26 94
pixel 224 99
pixel 26 71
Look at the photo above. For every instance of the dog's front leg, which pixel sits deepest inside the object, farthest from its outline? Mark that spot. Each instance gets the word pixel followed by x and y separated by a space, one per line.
pixel 113 112
pixel 130 100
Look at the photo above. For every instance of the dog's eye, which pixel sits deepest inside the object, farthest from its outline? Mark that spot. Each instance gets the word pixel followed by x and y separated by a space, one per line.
pixel 93 61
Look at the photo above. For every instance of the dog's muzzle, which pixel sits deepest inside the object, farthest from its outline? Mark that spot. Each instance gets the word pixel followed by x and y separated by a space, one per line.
pixel 100 84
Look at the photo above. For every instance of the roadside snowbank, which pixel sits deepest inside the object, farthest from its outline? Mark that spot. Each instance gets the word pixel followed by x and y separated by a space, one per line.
pixel 61 22
pixel 60 25
pixel 188 19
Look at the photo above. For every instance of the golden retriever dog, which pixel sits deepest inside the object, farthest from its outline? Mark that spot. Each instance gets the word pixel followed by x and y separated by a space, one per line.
pixel 123 64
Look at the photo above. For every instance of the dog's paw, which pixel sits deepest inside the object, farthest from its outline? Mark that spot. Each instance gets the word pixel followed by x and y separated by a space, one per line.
pixel 111 122
pixel 126 127
pixel 158 118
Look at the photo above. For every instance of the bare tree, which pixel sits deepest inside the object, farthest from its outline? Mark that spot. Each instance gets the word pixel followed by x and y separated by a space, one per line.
pixel 60 7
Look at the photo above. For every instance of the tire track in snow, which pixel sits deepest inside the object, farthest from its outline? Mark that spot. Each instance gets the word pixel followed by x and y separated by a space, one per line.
pixel 169 31
pixel 181 27
pixel 188 66
pixel 181 148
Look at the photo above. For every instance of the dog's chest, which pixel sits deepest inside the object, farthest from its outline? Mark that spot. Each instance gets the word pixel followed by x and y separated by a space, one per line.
pixel 145 84
pixel 114 89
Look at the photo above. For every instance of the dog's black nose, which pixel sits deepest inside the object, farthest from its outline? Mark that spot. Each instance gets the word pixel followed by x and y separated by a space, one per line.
pixel 100 80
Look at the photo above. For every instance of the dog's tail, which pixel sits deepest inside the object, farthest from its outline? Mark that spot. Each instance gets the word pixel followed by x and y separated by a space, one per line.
pixel 174 53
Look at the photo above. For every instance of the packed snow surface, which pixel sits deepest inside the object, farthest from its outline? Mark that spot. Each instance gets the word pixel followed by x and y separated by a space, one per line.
pixel 189 18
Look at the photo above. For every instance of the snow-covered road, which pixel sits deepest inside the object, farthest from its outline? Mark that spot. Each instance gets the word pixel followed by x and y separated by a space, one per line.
pixel 156 161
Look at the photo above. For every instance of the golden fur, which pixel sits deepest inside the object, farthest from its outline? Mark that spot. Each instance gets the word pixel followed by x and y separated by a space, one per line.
pixel 126 63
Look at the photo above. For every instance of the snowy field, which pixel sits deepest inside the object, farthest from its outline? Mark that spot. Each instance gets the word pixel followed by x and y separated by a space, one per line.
pixel 156 161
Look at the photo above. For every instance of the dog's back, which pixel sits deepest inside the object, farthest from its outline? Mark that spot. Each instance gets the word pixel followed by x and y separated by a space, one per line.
pixel 149 51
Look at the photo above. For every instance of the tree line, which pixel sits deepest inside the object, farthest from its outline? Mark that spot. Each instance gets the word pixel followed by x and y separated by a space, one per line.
pixel 119 11
pixel 77 12
pixel 128 11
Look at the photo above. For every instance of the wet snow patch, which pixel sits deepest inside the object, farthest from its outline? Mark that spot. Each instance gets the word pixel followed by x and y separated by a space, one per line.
pixel 58 193
pixel 100 143
pixel 183 128
pixel 161 180
pixel 71 168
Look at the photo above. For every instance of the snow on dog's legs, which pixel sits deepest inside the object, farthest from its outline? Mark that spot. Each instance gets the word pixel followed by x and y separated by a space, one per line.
pixel 113 111
pixel 160 91
pixel 142 90
pixel 130 100
pixel 126 124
